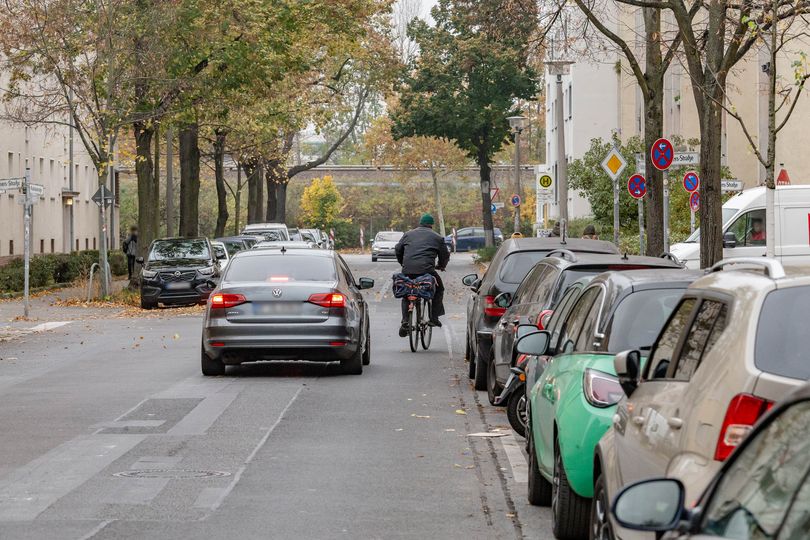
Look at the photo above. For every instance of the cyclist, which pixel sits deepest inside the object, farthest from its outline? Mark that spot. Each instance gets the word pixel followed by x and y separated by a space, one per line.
pixel 417 251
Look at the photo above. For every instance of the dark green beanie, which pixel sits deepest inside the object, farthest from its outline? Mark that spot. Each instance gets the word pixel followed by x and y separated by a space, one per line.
pixel 426 219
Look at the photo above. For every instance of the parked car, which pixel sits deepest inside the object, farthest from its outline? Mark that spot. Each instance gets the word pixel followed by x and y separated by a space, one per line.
pixel 289 244
pixel 744 227
pixel 762 491
pixel 730 350
pixel 177 271
pixel 539 292
pixel 573 402
pixel 235 244
pixel 221 254
pixel 509 266
pixel 276 304
pixel 383 245
pixel 471 238
pixel 270 231
pixel 307 235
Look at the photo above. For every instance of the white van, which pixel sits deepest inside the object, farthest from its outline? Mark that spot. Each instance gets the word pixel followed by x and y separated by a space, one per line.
pixel 274 232
pixel 744 227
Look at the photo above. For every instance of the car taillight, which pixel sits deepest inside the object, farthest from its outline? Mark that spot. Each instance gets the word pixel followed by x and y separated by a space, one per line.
pixel 328 300
pixel 490 309
pixel 741 415
pixel 521 359
pixel 226 300
pixel 601 389
pixel 543 318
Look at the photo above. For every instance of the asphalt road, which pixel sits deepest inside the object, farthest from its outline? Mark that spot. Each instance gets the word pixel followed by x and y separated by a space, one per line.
pixel 108 430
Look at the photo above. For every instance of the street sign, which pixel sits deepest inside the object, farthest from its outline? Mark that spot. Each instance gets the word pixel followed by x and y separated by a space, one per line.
pixel 515 200
pixel 685 158
pixel 637 186
pixel 727 186
pixel 103 194
pixel 662 154
pixel 694 201
pixel 10 183
pixel 498 205
pixel 545 188
pixel 691 182
pixel 493 208
pixel 545 181
pixel 36 189
pixel 493 193
pixel 614 163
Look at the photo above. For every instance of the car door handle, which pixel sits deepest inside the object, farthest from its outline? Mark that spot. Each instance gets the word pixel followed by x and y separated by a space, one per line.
pixel 638 420
pixel 675 423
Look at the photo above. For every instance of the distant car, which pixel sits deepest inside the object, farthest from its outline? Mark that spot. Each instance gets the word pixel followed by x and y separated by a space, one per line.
pixel 177 271
pixel 318 236
pixel 271 231
pixel 235 244
pixel 286 245
pixel 274 304
pixel 761 492
pixel 509 266
pixel 730 350
pixel 382 247
pixel 471 238
pixel 221 254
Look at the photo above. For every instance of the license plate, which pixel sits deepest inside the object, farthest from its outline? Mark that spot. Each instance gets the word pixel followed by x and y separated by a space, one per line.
pixel 275 308
pixel 183 285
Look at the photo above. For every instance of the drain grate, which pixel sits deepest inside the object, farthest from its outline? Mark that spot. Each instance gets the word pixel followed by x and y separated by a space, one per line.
pixel 173 474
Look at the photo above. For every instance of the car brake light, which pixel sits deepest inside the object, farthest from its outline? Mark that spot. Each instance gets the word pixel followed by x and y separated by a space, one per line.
pixel 328 300
pixel 490 309
pixel 544 318
pixel 521 359
pixel 601 389
pixel 741 415
pixel 226 300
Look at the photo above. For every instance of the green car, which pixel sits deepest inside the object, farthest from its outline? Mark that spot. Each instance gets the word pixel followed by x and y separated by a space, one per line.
pixel 572 403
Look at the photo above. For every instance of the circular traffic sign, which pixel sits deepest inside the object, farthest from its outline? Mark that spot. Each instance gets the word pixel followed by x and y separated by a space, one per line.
pixel 691 181
pixel 662 154
pixel 694 201
pixel 545 181
pixel 637 186
pixel 515 200
pixel 493 208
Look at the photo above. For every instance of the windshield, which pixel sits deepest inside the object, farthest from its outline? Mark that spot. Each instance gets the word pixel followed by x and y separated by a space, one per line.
pixel 388 237
pixel 779 351
pixel 639 317
pixel 166 250
pixel 233 247
pixel 517 265
pixel 728 213
pixel 281 269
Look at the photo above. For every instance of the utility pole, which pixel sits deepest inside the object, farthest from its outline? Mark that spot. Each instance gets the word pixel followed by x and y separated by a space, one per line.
pixel 71 234
pixel 559 68
pixel 517 123
pixel 170 185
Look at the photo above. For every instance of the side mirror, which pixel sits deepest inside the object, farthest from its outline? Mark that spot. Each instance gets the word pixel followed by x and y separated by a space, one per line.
pixel 525 330
pixel 729 240
pixel 139 260
pixel 628 368
pixel 469 280
pixel 534 344
pixel 503 300
pixel 654 505
pixel 365 283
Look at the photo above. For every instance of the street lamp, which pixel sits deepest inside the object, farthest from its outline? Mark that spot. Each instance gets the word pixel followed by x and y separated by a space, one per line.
pixel 517 123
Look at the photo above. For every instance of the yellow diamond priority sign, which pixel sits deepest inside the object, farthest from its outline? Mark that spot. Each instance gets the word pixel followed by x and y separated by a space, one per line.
pixel 614 163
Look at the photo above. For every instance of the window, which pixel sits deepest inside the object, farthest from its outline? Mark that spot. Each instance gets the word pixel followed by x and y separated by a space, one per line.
pixel 586 336
pixel 528 286
pixel 77 244
pixel 163 250
pixel 638 319
pixel 665 348
pixel 280 269
pixel 576 319
pixel 560 313
pixel 11 164
pixel 11 247
pixel 41 168
pixel 52 245
pixel 781 345
pixel 42 245
pixel 87 243
pixel 570 101
pixel 749 228
pixel 707 327
pixel 389 236
pixel 755 494
pixel 517 265
pixel 94 242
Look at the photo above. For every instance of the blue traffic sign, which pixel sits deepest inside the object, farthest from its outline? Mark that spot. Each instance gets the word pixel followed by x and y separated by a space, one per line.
pixel 691 182
pixel 694 201
pixel 494 208
pixel 515 200
pixel 662 154
pixel 637 186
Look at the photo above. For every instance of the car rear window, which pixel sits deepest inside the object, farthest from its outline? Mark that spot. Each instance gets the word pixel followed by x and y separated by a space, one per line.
pixel 281 268
pixel 639 318
pixel 781 343
pixel 165 250
pixel 515 267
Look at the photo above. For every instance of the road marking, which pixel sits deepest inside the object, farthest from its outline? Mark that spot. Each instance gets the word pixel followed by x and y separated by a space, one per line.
pixel 31 489
pixel 48 326
pixel 520 469
pixel 120 424
pixel 448 337
pixel 203 415
pixel 387 285
pixel 214 497
pixel 97 529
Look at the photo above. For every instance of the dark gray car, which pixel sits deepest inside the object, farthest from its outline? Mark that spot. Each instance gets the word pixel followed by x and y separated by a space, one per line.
pixel 287 305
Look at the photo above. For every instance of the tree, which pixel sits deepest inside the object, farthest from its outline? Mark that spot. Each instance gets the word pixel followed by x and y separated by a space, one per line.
pixel 472 68
pixel 321 203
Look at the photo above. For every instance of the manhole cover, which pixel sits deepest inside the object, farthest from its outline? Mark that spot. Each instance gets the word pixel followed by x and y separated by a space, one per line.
pixel 176 474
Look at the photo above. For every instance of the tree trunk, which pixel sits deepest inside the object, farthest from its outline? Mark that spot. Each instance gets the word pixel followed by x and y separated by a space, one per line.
pixel 486 201
pixel 653 130
pixel 254 171
pixel 189 181
pixel 170 229
pixel 219 178
pixel 281 201
pixel 273 174
pixel 711 204
pixel 148 190
pixel 438 197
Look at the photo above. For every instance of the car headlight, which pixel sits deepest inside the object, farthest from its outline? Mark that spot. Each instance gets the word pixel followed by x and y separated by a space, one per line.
pixel 207 271
pixel 148 274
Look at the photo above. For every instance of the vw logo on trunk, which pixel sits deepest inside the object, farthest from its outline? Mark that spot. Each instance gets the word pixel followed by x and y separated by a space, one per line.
pixel 277 293
pixel 177 273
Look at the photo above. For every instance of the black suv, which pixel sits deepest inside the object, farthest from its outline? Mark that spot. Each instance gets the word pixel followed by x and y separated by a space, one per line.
pixel 178 271
pixel 511 263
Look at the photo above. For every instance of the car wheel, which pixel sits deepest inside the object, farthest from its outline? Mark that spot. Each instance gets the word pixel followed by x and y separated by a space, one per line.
pixel 367 351
pixel 600 521
pixel 570 513
pixel 493 388
pixel 353 365
pixel 373 258
pixel 210 367
pixel 539 487
pixel 470 359
pixel 148 304
pixel 481 367
pixel 516 411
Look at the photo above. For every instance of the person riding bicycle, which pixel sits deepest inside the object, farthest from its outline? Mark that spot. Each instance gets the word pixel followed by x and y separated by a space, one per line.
pixel 417 251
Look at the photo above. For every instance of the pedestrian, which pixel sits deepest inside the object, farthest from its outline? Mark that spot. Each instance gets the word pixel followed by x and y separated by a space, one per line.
pixel 130 249
pixel 555 232
pixel 590 232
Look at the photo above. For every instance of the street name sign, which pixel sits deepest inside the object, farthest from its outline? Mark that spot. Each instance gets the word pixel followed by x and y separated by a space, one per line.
pixel 11 183
pixel 727 186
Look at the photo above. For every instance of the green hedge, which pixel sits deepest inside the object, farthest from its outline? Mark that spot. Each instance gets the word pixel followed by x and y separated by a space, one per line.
pixel 56 268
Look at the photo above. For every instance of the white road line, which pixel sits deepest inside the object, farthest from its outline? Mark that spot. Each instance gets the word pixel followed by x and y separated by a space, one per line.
pixel 48 326
pixel 203 415
pixel 97 529
pixel 387 285
pixel 448 336
pixel 520 469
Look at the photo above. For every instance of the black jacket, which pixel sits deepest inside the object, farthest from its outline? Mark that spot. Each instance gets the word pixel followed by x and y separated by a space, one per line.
pixel 417 251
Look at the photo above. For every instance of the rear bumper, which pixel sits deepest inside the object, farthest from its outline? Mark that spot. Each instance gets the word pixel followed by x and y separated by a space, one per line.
pixel 384 254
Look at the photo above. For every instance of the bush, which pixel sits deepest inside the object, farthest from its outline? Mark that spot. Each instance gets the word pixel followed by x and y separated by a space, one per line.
pixel 485 254
pixel 46 270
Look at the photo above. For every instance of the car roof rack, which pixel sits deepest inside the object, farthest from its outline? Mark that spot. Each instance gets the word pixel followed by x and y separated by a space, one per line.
pixel 772 267
pixel 563 254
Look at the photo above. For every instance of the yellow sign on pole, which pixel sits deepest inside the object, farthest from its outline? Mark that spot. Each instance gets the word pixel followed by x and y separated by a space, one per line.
pixel 614 163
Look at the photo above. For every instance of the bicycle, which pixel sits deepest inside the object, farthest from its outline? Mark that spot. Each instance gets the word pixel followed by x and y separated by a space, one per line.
pixel 419 328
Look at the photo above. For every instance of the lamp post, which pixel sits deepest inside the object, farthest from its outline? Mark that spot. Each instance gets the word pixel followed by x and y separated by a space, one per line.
pixel 559 68
pixel 517 123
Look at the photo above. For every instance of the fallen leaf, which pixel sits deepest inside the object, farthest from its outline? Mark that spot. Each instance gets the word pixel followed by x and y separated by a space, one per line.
pixel 419 416
pixel 449 429
pixel 461 411
pixel 398 429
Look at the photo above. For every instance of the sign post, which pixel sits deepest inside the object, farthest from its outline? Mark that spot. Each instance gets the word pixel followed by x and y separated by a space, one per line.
pixel 613 164
pixel 691 183
pixel 545 196
pixel 662 154
pixel 30 195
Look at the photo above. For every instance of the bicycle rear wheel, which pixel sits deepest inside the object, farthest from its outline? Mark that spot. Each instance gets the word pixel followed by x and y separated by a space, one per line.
pixel 414 318
pixel 426 329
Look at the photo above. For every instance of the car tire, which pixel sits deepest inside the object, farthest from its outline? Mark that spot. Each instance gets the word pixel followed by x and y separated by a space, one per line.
pixel 570 513
pixel 539 487
pixel 470 359
pixel 373 258
pixel 353 365
pixel 148 304
pixel 600 520
pixel 516 410
pixel 480 380
pixel 493 388
pixel 210 367
pixel 367 351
